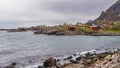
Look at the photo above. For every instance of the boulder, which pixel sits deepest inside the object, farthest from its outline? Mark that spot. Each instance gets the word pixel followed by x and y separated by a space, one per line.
pixel 51 62
pixel 87 61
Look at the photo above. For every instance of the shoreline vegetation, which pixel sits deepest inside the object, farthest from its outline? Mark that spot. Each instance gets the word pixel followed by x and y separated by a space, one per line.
pixel 109 58
pixel 92 29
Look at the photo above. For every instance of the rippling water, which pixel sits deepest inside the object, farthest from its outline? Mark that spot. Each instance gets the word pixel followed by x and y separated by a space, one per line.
pixel 23 47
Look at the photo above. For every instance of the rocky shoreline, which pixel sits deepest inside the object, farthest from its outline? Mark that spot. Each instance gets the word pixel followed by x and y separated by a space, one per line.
pixel 57 31
pixel 87 59
pixel 61 32
pixel 90 59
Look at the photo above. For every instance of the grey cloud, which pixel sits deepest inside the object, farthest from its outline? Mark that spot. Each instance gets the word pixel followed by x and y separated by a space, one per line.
pixel 78 6
pixel 35 12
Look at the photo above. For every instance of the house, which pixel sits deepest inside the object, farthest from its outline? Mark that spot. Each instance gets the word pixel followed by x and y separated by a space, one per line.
pixel 79 24
pixel 95 27
pixel 71 28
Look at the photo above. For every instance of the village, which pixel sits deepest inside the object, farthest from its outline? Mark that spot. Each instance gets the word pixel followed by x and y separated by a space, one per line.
pixel 90 28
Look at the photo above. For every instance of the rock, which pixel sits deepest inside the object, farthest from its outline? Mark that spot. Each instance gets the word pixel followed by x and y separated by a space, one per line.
pixel 102 55
pixel 87 61
pixel 51 62
pixel 111 14
pixel 78 58
pixel 40 67
pixel 11 66
pixel 110 59
pixel 74 61
pixel 117 66
pixel 37 32
pixel 42 31
pixel 56 32
pixel 68 58
pixel 88 54
pixel 53 31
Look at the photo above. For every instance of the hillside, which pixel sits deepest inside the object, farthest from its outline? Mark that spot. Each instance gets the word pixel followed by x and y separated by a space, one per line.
pixel 111 14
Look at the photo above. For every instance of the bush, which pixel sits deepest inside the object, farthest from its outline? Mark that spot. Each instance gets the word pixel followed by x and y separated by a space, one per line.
pixel 117 25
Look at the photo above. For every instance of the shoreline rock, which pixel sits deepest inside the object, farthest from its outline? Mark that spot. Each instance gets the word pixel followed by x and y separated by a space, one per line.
pixel 87 59
pixel 90 59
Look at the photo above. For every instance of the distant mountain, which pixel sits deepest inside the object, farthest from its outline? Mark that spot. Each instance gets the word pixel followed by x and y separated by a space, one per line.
pixel 89 21
pixel 111 14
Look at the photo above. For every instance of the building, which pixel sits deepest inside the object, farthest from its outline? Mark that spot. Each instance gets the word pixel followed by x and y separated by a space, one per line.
pixel 71 28
pixel 96 27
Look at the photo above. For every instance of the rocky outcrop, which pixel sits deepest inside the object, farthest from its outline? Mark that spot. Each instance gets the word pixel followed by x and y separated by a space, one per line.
pixel 111 14
pixel 59 31
pixel 53 31
pixel 103 60
pixel 88 59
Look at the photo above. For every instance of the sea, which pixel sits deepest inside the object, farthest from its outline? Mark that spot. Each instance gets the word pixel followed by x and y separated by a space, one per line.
pixel 27 49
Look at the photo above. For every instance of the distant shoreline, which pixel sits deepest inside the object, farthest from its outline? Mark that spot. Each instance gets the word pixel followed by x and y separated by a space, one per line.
pixel 64 33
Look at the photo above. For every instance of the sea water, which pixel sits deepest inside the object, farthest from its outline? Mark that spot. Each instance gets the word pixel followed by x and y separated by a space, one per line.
pixel 25 48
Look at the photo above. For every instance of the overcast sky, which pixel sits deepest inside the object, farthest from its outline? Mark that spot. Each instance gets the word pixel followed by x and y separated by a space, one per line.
pixel 18 13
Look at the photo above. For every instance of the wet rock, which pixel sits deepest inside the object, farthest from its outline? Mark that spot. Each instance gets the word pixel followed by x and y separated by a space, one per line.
pixel 37 32
pixel 78 58
pixel 88 54
pixel 74 61
pixel 11 66
pixel 51 62
pixel 68 58
pixel 40 67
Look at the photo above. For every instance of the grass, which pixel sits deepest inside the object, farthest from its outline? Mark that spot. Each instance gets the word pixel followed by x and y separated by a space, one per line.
pixel 88 29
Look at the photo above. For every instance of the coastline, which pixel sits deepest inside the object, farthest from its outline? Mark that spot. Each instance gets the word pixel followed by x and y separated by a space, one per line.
pixel 59 31
pixel 87 59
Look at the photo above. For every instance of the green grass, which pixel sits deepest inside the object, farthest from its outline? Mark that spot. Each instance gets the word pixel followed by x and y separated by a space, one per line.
pixel 88 29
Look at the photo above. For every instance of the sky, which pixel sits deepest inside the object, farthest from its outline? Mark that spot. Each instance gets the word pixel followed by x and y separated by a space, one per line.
pixel 26 13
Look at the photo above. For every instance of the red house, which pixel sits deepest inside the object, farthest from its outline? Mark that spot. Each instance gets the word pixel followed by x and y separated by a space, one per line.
pixel 96 27
pixel 71 28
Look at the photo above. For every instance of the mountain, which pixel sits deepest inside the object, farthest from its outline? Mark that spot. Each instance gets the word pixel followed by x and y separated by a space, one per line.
pixel 111 14
pixel 89 21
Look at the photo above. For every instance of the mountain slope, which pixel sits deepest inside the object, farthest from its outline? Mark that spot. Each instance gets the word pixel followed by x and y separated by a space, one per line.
pixel 111 14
